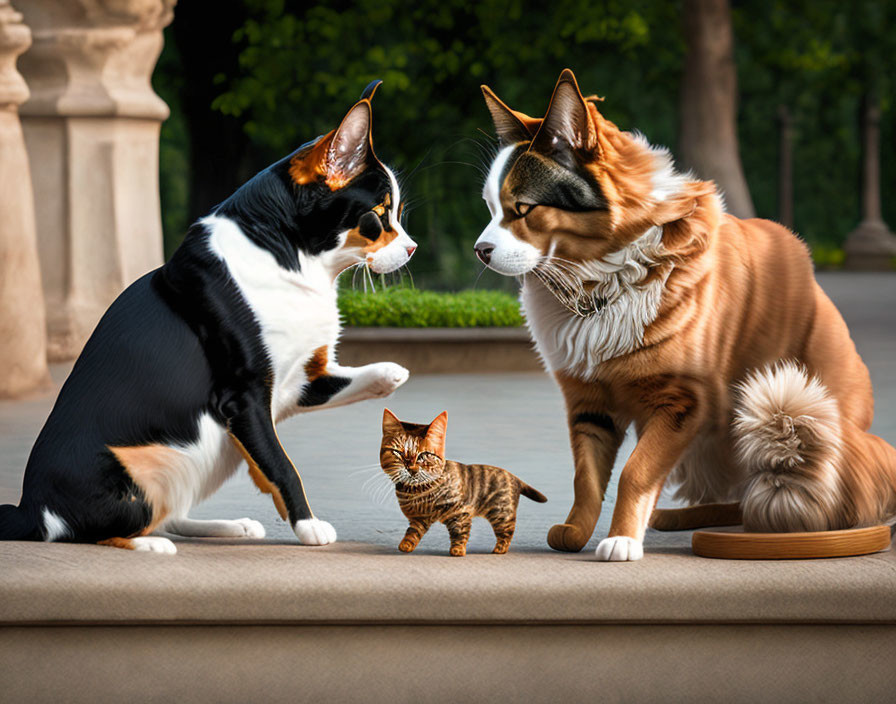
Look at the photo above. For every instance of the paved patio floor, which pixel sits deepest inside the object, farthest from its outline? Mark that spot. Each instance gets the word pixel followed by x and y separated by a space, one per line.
pixel 511 420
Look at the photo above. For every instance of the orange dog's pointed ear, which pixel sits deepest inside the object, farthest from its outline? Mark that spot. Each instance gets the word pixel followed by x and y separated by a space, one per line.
pixel 435 435
pixel 567 122
pixel 511 126
pixel 391 423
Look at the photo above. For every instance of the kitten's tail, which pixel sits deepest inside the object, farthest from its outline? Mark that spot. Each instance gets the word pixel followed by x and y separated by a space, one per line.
pixel 531 493
pixel 16 524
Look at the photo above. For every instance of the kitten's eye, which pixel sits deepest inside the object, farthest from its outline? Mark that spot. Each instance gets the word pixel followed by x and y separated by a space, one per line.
pixel 523 209
pixel 426 457
pixel 370 226
pixel 397 453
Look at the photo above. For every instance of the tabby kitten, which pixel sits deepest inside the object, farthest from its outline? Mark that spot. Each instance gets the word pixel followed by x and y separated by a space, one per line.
pixel 432 489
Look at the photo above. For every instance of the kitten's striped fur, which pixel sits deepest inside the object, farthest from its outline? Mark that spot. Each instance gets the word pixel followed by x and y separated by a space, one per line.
pixel 431 489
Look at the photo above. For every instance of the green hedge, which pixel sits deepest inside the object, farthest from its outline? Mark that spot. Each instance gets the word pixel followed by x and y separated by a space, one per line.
pixel 414 308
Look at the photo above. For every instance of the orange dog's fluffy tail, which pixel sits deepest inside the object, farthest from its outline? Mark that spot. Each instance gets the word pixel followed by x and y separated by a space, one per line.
pixel 808 469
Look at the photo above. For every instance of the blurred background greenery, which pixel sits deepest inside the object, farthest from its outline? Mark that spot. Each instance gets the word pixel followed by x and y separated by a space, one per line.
pixel 248 82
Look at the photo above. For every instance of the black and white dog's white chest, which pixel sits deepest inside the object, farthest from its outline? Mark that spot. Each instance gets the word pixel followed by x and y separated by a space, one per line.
pixel 296 311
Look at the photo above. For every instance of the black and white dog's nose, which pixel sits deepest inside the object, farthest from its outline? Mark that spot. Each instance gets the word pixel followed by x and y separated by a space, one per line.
pixel 484 251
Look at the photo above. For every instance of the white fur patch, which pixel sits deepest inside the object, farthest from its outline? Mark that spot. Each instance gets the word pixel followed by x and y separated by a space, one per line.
pixel 313 531
pixel 194 471
pixel 620 548
pixel 296 310
pixel 238 528
pixel 54 527
pixel 395 254
pixel 577 345
pixel 151 543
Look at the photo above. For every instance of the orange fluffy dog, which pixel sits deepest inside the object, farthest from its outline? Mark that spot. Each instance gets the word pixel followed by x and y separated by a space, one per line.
pixel 650 305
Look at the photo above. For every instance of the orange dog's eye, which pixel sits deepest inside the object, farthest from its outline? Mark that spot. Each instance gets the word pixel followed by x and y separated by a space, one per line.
pixel 523 209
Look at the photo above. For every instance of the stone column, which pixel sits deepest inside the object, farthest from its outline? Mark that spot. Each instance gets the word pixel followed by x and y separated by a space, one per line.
pixel 871 245
pixel 23 341
pixel 92 130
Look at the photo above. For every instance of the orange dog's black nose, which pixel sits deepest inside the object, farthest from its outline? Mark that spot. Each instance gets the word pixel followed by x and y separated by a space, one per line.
pixel 484 251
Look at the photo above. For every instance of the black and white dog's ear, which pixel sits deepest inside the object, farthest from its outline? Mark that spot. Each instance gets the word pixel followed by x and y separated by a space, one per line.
pixel 371 89
pixel 511 126
pixel 351 147
pixel 566 124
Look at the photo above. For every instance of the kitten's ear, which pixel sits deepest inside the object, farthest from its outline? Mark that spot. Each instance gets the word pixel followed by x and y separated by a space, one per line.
pixel 435 434
pixel 510 126
pixel 391 424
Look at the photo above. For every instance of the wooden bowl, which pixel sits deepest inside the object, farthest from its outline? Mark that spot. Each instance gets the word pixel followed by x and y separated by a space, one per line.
pixel 737 545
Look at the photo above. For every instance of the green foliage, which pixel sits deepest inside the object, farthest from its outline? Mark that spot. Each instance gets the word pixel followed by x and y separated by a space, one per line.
pixel 304 63
pixel 826 257
pixel 413 308
pixel 818 58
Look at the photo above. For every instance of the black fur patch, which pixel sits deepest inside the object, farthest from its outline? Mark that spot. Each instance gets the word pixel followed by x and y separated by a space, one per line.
pixel 555 182
pixel 598 420
pixel 322 389
pixel 285 218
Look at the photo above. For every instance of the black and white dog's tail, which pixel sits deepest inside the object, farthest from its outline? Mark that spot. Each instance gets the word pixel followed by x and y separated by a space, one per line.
pixel 18 524
pixel 788 437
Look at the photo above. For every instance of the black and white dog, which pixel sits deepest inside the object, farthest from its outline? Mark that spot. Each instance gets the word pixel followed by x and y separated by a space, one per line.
pixel 191 368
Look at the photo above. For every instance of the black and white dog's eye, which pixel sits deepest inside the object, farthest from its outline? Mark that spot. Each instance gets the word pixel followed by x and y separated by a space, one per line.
pixel 523 209
pixel 370 226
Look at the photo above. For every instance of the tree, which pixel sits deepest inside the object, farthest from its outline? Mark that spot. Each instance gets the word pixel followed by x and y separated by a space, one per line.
pixel 220 158
pixel 708 141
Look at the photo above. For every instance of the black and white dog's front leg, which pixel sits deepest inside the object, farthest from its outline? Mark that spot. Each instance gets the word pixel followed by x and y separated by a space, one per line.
pixel 330 384
pixel 252 431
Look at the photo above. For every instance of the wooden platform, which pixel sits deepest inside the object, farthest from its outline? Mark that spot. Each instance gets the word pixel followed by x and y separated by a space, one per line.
pixel 738 545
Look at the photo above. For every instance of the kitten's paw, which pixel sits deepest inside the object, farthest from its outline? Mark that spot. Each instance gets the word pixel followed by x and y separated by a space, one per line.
pixel 385 378
pixel 566 538
pixel 620 548
pixel 407 545
pixel 151 543
pixel 250 528
pixel 458 550
pixel 313 531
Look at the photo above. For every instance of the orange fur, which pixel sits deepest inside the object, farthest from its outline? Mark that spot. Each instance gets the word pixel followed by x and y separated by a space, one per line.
pixel 146 464
pixel 737 295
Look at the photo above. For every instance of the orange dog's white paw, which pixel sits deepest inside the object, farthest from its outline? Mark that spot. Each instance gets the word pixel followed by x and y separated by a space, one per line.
pixel 620 548
pixel 313 531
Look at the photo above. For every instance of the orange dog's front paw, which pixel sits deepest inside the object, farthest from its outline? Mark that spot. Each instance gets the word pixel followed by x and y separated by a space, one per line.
pixel 567 537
